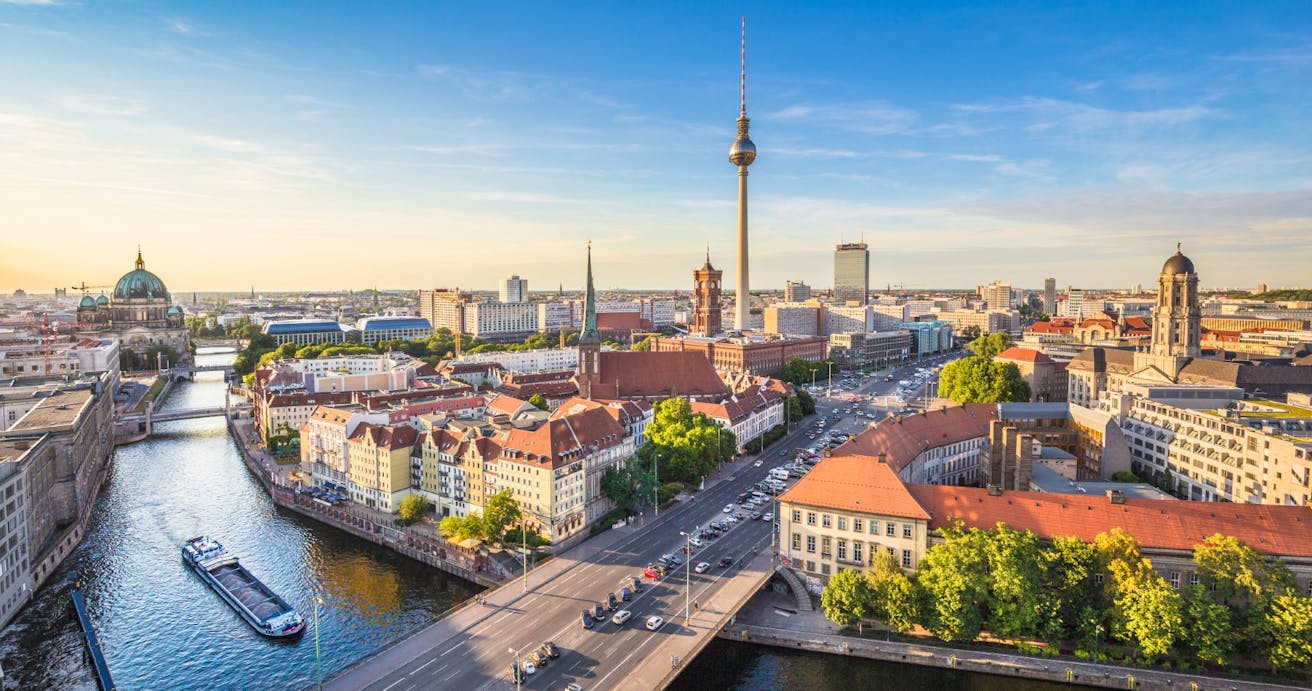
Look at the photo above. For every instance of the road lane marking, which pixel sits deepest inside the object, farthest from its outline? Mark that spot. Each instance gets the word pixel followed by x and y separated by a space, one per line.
pixel 416 670
pixel 449 651
pixel 398 681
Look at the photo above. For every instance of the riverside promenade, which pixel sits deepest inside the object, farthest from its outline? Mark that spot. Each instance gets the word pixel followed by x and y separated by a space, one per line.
pixel 772 619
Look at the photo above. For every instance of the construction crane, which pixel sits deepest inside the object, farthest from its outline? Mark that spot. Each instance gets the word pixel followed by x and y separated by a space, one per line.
pixel 84 287
pixel 49 333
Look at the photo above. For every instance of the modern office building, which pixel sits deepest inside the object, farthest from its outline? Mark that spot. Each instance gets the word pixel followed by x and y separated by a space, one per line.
pixel 870 349
pixel 305 332
pixel 851 273
pixel 376 329
pixel 444 308
pixel 796 291
pixel 514 289
pixel 998 295
pixel 1050 296
pixel 793 319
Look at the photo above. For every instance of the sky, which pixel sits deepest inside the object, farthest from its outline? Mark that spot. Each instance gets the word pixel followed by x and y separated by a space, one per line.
pixel 317 145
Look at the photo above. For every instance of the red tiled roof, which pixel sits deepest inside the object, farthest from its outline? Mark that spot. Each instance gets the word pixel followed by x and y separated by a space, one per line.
pixel 845 482
pixel 1052 327
pixel 1137 324
pixel 560 440
pixel 626 374
pixel 384 436
pixel 618 321
pixel 1159 524
pixel 905 438
pixel 1023 355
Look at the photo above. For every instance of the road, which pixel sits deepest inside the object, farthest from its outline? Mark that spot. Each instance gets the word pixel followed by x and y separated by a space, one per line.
pixel 480 654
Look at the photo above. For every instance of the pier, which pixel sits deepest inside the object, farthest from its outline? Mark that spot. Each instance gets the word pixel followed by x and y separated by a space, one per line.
pixel 89 636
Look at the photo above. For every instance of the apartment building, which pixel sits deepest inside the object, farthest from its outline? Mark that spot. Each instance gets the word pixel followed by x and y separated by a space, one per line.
pixel 793 319
pixel 378 464
pixel 874 349
pixel 748 414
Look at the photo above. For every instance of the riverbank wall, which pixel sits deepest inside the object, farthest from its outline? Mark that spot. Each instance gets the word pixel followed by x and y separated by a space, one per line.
pixel 434 553
pixel 1000 664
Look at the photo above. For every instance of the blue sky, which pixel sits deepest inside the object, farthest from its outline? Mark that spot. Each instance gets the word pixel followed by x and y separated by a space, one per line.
pixel 318 145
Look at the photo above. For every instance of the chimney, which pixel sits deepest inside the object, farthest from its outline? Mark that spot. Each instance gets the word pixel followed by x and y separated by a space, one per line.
pixel 1116 496
pixel 993 472
pixel 1024 461
pixel 883 458
pixel 995 490
pixel 1007 451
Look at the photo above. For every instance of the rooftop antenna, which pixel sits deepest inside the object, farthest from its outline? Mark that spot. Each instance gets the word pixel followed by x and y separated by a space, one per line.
pixel 742 112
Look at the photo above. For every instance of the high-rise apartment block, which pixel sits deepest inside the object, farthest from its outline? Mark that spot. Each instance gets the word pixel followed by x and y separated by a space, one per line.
pixel 997 294
pixel 1050 295
pixel 851 273
pixel 796 291
pixel 514 289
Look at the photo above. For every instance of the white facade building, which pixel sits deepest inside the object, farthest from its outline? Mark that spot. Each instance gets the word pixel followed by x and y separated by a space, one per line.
pixel 514 289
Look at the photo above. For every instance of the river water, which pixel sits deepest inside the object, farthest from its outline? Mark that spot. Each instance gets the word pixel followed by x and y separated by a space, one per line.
pixel 162 628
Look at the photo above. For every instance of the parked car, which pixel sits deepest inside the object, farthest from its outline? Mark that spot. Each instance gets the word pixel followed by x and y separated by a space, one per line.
pixel 653 574
pixel 621 617
pixel 728 508
pixel 549 649
pixel 529 667
pixel 654 623
pixel 587 619
pixel 599 612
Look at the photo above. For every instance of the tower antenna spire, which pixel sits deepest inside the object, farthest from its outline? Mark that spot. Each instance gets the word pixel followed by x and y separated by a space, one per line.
pixel 742 112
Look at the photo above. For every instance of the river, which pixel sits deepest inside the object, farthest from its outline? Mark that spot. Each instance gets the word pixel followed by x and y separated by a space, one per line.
pixel 162 628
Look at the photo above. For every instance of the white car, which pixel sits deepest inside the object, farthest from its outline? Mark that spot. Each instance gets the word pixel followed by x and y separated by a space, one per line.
pixel 654 623
pixel 695 542
pixel 769 516
pixel 529 667
pixel 701 567
pixel 758 463
pixel 728 508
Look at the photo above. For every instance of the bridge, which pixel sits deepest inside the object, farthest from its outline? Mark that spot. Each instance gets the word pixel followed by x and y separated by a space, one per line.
pixel 180 372
pixel 476 644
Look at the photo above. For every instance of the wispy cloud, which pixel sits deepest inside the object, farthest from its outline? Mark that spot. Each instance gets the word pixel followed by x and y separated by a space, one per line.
pixel 100 104
pixel 226 144
pixel 28 2
pixel 871 117
pixel 490 85
pixel 523 198
pixel 179 26
pixel 1053 113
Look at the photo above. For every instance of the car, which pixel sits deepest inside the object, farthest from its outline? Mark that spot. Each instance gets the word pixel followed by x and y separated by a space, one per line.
pixel 529 667
pixel 612 602
pixel 758 463
pixel 728 508
pixel 701 567
pixel 676 559
pixel 653 574
pixel 726 562
pixel 587 619
pixel 538 659
pixel 550 650
pixel 738 515
pixel 756 516
pixel 573 687
pixel 769 516
pixel 626 594
pixel 621 617
pixel 695 542
pixel 686 550
pixel 654 623
pixel 731 520
pixel 599 612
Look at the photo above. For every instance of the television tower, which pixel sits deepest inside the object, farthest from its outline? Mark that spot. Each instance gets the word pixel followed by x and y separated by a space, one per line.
pixel 741 154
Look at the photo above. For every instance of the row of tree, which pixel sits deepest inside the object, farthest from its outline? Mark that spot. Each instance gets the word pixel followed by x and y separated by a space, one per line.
pixel 979 379
pixel 1018 587
pixel 680 446
pixel 499 513
pixel 800 371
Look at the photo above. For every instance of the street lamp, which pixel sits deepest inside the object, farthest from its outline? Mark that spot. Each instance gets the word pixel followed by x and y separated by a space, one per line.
pixel 830 364
pixel 656 485
pixel 1097 631
pixel 813 371
pixel 687 578
pixel 318 665
pixel 523 552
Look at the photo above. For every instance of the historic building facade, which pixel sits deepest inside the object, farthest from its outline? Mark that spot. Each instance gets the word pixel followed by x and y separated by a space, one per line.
pixel 140 314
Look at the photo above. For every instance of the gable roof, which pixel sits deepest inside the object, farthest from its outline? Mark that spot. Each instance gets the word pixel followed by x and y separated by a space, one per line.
pixel 1155 523
pixel 905 438
pixel 627 374
pixel 844 482
pixel 1023 355
pixel 563 439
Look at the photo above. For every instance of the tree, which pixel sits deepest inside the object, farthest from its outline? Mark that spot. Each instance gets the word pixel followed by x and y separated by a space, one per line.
pixel 642 346
pixel 1146 610
pixel 501 512
pixel 805 400
pixel 1240 578
pixel 846 598
pixel 799 371
pixel 894 598
pixel 685 446
pixel 538 401
pixel 1124 476
pixel 1019 606
pixel 970 333
pixel 954 584
pixel 1069 565
pixel 978 379
pixel 1288 623
pixel 989 345
pixel 413 508
pixel 1208 632
pixel 793 412
pixel 460 529
pixel 629 486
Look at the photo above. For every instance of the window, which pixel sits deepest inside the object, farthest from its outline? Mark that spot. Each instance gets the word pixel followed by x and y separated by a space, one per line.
pixel 891 530
pixel 1175 580
pixel 856 525
pixel 842 550
pixel 825 548
pixel 891 552
pixel 906 530
pixel 825 521
pixel 810 518
pixel 906 558
pixel 874 527
pixel 856 554
pixel 797 541
pixel 797 516
pixel 810 543
pixel 1193 578
pixel 842 523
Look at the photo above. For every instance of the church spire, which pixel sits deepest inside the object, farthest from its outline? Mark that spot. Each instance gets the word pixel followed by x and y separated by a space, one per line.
pixel 589 333
pixel 141 263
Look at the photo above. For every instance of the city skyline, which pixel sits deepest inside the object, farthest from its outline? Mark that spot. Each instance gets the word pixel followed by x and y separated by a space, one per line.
pixel 305 147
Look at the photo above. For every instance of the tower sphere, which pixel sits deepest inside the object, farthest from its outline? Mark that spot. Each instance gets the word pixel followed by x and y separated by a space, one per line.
pixel 743 152
pixel 1178 264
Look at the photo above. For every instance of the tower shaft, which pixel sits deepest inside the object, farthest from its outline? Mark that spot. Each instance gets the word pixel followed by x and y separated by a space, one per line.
pixel 743 292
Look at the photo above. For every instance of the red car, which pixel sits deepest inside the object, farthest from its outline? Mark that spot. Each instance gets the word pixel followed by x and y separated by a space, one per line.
pixel 652 574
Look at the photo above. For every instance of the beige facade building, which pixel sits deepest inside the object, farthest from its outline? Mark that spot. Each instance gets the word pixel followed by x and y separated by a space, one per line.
pixel 378 465
pixel 1047 378
pixel 792 319
pixel 988 321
